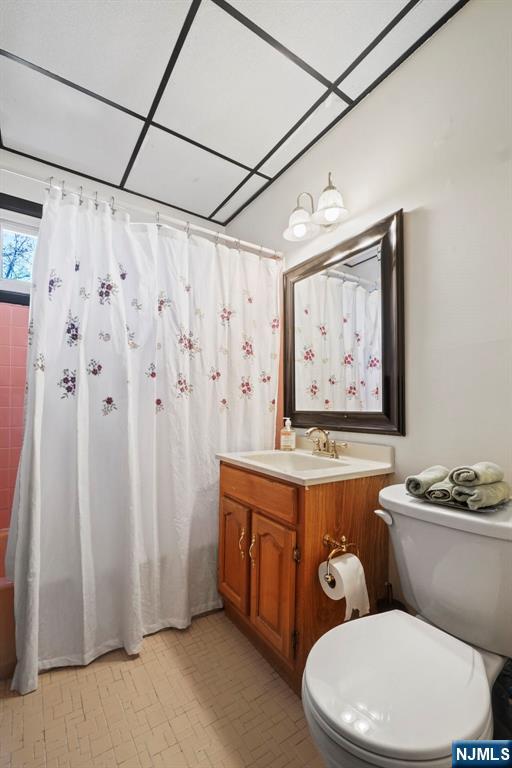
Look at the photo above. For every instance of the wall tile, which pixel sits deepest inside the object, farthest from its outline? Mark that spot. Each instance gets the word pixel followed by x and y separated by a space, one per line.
pixel 17 417
pixel 14 457
pixel 13 354
pixel 16 437
pixel 5 477
pixel 5 437
pixel 19 316
pixel 17 396
pixel 18 356
pixel 5 315
pixel 18 336
pixel 18 374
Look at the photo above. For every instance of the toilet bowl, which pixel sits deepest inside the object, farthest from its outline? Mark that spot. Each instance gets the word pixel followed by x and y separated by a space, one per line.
pixel 396 690
pixel 392 690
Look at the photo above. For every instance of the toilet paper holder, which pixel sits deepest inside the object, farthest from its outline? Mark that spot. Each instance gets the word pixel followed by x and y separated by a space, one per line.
pixel 340 547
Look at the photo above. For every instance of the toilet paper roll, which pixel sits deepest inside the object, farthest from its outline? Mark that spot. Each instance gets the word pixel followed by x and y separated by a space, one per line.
pixel 350 583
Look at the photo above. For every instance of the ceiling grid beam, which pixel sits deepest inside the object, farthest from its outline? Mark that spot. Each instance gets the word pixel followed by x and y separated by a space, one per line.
pixel 194 7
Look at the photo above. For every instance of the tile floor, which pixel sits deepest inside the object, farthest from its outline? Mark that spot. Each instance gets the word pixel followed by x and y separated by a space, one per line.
pixel 198 698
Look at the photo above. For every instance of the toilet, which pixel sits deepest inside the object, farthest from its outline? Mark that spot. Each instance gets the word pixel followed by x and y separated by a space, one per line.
pixel 395 689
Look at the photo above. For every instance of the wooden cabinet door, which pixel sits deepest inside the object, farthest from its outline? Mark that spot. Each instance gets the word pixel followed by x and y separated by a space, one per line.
pixel 273 582
pixel 233 553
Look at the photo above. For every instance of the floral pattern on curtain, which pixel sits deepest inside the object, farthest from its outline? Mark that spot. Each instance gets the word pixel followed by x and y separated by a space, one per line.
pixel 337 345
pixel 149 352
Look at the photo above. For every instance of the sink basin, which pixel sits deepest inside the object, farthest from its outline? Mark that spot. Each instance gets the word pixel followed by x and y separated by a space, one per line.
pixel 293 460
pixel 301 467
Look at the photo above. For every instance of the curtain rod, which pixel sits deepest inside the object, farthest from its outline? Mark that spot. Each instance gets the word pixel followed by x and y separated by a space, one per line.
pixel 267 253
pixel 339 275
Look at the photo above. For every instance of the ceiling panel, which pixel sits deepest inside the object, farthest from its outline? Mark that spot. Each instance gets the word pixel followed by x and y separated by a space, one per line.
pixel 422 17
pixel 232 91
pixel 118 49
pixel 327 34
pixel 246 191
pixel 44 118
pixel 181 174
pixel 310 128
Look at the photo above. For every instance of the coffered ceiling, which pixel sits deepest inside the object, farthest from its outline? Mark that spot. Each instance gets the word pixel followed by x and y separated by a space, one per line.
pixel 198 104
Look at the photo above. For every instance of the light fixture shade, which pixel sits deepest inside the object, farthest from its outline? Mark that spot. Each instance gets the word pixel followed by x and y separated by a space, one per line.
pixel 300 227
pixel 330 206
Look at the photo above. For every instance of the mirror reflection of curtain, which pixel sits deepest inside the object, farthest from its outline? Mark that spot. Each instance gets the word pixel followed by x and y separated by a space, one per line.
pixel 338 343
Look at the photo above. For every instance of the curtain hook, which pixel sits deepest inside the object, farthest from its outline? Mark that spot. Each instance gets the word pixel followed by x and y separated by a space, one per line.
pixel 63 188
pixel 158 225
pixel 81 196
pixel 112 201
pixel 238 245
pixel 50 182
pixel 187 229
pixel 217 236
pixel 96 200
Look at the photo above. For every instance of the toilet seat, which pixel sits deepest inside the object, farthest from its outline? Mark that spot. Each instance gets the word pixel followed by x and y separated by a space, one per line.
pixel 391 688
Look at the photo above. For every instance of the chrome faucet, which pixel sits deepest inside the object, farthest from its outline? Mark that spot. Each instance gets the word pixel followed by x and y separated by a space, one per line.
pixel 325 447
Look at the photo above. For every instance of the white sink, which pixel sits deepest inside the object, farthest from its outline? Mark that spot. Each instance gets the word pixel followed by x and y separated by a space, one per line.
pixel 293 461
pixel 303 468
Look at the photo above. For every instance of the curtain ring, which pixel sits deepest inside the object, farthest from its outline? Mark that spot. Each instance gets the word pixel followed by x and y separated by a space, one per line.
pixel 157 215
pixel 50 182
pixel 217 236
pixel 63 189
pixel 96 200
pixel 81 196
pixel 238 245
pixel 187 229
pixel 112 201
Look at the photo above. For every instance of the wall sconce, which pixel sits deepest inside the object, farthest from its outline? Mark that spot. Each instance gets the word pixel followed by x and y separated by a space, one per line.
pixel 303 225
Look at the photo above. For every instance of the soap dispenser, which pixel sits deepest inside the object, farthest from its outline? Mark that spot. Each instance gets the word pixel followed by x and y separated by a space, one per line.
pixel 287 436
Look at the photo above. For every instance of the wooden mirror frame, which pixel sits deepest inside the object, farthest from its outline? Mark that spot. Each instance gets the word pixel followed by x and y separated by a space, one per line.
pixel 391 420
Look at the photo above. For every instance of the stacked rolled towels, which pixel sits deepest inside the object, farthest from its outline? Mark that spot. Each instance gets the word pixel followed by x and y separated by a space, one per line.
pixel 478 486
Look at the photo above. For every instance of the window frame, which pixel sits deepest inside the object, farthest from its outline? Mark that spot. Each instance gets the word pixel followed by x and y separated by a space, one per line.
pixel 19 214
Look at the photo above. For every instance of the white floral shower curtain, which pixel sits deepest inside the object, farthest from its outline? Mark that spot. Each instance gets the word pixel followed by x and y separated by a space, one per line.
pixel 338 341
pixel 150 351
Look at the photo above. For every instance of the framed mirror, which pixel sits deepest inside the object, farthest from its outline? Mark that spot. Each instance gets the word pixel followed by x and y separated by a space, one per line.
pixel 344 335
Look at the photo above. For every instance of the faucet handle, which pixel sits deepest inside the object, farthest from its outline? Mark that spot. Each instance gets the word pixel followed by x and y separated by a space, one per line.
pixel 334 446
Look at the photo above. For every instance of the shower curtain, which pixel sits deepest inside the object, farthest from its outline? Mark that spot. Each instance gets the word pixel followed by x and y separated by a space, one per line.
pixel 338 341
pixel 149 352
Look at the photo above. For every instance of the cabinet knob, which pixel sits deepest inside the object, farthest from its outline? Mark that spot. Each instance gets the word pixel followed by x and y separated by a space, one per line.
pixel 240 541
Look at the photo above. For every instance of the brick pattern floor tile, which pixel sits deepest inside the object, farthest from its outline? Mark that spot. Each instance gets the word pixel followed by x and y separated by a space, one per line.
pixel 196 698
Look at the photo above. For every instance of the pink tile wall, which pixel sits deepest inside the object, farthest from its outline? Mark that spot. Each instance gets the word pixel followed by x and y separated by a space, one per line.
pixel 13 353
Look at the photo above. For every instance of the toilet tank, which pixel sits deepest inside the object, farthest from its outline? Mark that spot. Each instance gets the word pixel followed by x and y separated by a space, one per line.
pixel 455 567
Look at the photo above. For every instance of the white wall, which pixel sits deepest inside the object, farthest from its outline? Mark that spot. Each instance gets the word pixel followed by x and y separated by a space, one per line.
pixel 21 187
pixel 434 139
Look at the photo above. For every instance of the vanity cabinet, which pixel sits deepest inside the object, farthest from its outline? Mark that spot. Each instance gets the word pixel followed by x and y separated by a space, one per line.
pixel 273 583
pixel 270 547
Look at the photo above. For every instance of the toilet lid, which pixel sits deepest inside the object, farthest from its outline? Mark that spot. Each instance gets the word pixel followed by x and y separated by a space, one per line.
pixel 398 687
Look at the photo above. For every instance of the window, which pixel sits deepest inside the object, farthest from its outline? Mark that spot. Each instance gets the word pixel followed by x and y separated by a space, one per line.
pixel 18 240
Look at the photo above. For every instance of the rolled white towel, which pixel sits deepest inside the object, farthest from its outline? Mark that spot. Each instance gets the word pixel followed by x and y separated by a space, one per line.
pixel 481 473
pixel 418 484
pixel 442 491
pixel 481 496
